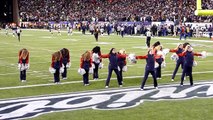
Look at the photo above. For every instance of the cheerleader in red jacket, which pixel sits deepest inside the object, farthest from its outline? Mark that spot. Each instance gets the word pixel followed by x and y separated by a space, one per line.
pixel 57 66
pixel 86 64
pixel 96 60
pixel 188 63
pixel 122 63
pixel 113 66
pixel 150 67
pixel 23 63
pixel 65 61
pixel 180 60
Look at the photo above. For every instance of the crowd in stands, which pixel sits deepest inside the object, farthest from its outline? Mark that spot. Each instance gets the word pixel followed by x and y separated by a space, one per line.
pixel 110 10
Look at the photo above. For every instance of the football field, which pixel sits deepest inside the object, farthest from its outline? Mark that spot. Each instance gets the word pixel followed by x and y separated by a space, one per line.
pixel 41 44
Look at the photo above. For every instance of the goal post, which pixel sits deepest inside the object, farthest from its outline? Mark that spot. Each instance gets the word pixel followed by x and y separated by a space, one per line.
pixel 200 12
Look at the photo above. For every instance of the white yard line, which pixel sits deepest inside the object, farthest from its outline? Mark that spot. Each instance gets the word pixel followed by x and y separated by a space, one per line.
pixel 72 82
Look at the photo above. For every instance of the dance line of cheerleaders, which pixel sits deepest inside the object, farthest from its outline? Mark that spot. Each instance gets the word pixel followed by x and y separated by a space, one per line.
pixel 91 62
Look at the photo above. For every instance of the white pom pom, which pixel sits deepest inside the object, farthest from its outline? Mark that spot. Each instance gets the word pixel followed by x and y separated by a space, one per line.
pixel 124 69
pixel 132 58
pixel 194 63
pixel 68 65
pixel 165 51
pixel 62 70
pixel 27 66
pixel 174 57
pixel 119 69
pixel 163 65
pixel 156 65
pixel 52 70
pixel 93 66
pixel 22 67
pixel 101 65
pixel 81 71
pixel 204 54
pixel 91 70
pixel 19 66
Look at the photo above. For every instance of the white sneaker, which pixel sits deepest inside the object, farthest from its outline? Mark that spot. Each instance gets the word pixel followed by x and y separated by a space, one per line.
pixel 172 80
pixel 106 86
pixel 181 85
pixel 142 89
pixel 120 85
pixel 156 88
pixel 158 78
pixel 64 78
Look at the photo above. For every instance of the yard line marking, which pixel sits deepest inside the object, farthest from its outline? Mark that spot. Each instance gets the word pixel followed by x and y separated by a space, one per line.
pixel 72 82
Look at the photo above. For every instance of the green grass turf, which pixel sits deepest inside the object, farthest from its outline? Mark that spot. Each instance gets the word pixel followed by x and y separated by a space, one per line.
pixel 42 44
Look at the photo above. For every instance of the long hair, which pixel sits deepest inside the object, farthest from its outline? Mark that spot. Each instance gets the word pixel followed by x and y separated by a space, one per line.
pixel 86 56
pixel 57 56
pixel 64 52
pixel 185 44
pixel 96 49
pixel 23 53
pixel 110 52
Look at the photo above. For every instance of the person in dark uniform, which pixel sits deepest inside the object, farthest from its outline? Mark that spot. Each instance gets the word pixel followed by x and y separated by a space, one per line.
pixel 65 61
pixel 113 66
pixel 150 68
pixel 96 59
pixel 148 38
pixel 96 32
pixel 188 63
pixel 86 64
pixel 23 63
pixel 122 63
pixel 180 60
pixel 18 32
pixel 57 65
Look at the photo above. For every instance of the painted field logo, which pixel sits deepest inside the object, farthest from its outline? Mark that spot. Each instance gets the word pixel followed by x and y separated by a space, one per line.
pixel 103 100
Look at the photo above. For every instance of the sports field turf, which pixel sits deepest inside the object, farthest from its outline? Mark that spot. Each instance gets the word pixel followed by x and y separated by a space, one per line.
pixel 41 44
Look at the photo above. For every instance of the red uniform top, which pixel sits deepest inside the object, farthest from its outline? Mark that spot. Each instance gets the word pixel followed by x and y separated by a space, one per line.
pixel 184 53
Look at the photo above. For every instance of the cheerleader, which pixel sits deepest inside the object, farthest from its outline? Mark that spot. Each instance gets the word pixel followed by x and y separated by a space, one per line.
pixel 56 65
pixel 113 66
pixel 65 61
pixel 96 60
pixel 179 60
pixel 122 63
pixel 160 59
pixel 150 67
pixel 23 63
pixel 86 64
pixel 188 63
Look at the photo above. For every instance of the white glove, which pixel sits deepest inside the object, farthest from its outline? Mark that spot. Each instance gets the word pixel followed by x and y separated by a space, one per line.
pixel 68 65
pixel 91 70
pixel 61 70
pixel 101 65
pixel 81 71
pixel 132 58
pixel 166 51
pixel 52 70
pixel 124 69
pixel 174 57
pixel 194 63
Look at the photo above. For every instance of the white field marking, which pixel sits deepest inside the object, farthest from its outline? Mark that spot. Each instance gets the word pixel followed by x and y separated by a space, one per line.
pixel 73 40
pixel 140 47
pixel 26 35
pixel 72 82
pixel 103 43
